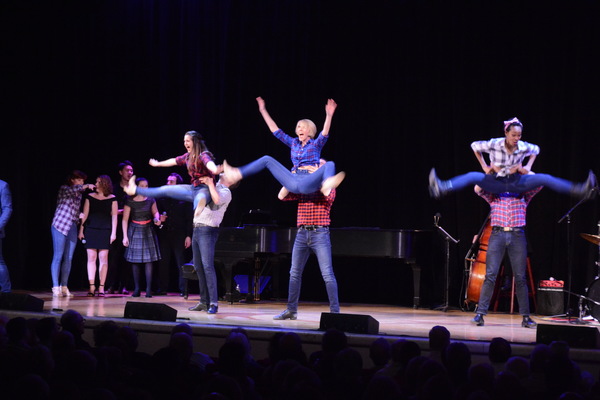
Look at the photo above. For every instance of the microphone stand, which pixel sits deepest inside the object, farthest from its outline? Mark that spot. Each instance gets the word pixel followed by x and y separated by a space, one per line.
pixel 448 238
pixel 567 217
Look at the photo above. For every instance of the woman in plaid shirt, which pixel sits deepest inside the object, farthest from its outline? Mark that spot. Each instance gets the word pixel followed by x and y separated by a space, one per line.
pixel 305 155
pixel 199 162
pixel 506 173
pixel 64 230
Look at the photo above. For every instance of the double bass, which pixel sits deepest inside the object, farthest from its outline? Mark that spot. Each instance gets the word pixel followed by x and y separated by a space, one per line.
pixel 475 264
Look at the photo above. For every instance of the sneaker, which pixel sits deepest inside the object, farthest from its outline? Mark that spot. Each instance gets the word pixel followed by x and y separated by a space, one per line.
pixel 287 314
pixel 213 309
pixel 130 187
pixel 435 189
pixel 478 320
pixel 56 292
pixel 232 174
pixel 591 186
pixel 332 182
pixel 199 307
pixel 65 292
pixel 528 322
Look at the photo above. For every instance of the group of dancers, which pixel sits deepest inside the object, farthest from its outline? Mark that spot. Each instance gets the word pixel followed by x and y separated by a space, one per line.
pixel 506 183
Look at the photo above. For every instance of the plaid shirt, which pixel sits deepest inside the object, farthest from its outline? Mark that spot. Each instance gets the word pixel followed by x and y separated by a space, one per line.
pixel 213 214
pixel 499 155
pixel 198 169
pixel 313 209
pixel 509 211
pixel 309 154
pixel 67 208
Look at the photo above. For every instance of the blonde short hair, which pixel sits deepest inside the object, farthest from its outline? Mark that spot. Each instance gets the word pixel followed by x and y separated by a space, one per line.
pixel 312 128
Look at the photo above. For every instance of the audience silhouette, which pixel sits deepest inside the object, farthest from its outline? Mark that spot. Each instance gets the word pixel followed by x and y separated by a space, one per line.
pixel 45 359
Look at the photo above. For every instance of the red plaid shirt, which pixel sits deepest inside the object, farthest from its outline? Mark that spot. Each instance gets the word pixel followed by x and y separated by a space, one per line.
pixel 313 209
pixel 509 211
pixel 198 169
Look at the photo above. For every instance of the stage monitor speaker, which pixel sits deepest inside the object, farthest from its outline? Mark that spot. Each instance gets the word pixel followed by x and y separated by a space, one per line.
pixel 584 337
pixel 353 323
pixel 21 302
pixel 150 311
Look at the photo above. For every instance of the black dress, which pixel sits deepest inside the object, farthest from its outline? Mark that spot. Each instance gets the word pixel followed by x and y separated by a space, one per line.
pixel 99 223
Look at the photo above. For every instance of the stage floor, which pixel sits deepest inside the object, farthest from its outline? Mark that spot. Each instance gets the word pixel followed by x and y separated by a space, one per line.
pixel 393 320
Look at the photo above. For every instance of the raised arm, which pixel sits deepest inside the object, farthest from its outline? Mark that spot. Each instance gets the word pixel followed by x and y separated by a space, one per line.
pixel 329 110
pixel 263 111
pixel 171 162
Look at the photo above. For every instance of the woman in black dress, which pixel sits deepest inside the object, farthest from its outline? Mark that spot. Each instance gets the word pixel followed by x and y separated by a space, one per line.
pixel 139 237
pixel 99 229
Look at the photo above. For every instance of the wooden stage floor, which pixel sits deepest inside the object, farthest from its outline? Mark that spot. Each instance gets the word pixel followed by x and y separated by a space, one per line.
pixel 393 320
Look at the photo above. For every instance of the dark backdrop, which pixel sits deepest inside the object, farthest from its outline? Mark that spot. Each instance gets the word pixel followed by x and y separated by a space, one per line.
pixel 87 84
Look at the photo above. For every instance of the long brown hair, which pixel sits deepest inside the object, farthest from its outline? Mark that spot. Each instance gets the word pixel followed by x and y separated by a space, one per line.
pixel 199 146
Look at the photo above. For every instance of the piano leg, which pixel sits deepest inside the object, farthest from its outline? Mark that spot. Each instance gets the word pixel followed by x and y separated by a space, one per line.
pixel 416 271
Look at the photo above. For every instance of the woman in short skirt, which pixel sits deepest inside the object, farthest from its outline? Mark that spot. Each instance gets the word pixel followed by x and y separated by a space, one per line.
pixel 139 237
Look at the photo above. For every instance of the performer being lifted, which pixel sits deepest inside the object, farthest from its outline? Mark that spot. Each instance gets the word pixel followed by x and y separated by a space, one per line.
pixel 506 172
pixel 305 155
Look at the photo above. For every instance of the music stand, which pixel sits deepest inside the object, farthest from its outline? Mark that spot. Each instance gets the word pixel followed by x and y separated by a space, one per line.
pixel 448 238
pixel 567 217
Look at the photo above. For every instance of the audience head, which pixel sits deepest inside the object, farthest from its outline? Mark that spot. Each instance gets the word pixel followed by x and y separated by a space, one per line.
pixel 380 352
pixel 499 351
pixel 72 321
pixel 439 338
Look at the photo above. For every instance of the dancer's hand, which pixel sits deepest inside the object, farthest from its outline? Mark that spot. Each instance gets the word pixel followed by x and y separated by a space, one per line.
pixel 330 107
pixel 153 162
pixel 261 103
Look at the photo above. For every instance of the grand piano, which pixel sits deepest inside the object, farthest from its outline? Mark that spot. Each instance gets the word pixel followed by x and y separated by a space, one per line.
pixel 259 241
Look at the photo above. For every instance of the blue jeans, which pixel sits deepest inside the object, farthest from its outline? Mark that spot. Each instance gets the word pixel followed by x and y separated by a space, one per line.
pixel 204 240
pixel 64 247
pixel 299 182
pixel 515 183
pixel 188 193
pixel 4 276
pixel 318 241
pixel 515 243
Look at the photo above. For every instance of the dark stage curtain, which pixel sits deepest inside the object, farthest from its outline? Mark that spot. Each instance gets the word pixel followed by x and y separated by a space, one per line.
pixel 87 84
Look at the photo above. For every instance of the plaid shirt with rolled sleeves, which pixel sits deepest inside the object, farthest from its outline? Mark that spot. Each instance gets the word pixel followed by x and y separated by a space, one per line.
pixel 499 155
pixel 508 211
pixel 307 155
pixel 67 208
pixel 198 169
pixel 313 209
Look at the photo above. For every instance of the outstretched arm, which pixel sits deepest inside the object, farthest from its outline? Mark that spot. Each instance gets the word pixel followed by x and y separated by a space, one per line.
pixel 329 110
pixel 263 111
pixel 166 163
